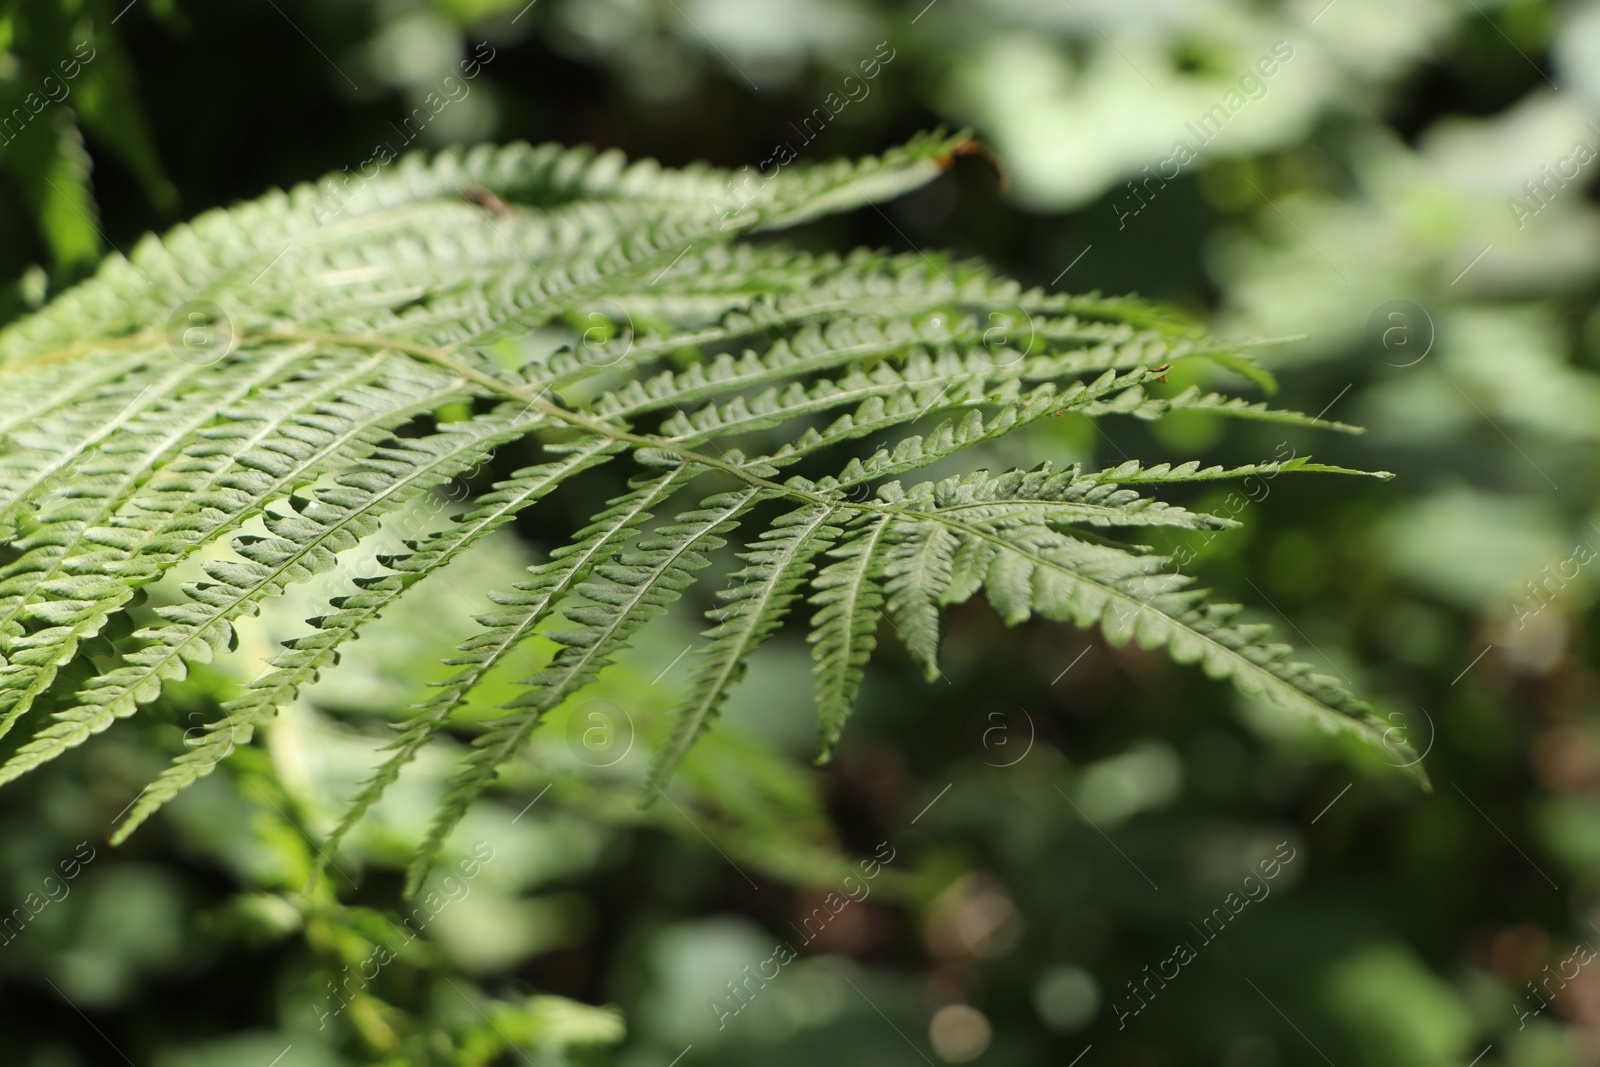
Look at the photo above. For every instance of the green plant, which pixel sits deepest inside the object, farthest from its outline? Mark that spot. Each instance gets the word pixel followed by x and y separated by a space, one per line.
pixel 63 73
pixel 309 363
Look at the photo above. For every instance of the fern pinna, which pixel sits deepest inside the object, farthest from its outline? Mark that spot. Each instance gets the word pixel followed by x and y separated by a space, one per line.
pixel 311 362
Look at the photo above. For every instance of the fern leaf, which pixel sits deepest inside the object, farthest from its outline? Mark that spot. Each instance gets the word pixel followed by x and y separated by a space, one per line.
pixel 1136 403
pixel 40 586
pixel 526 608
pixel 304 542
pixel 1134 473
pixel 1045 495
pixel 1144 599
pixel 624 594
pixel 200 628
pixel 849 594
pixel 917 573
pixel 757 603
pixel 352 321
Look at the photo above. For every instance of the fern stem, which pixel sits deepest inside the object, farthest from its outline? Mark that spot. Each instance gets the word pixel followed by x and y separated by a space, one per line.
pixel 536 400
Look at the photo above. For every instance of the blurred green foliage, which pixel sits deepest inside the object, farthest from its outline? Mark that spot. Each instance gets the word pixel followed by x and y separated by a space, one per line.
pixel 1407 197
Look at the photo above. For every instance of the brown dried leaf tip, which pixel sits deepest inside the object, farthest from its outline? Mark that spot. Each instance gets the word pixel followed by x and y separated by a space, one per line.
pixel 974 147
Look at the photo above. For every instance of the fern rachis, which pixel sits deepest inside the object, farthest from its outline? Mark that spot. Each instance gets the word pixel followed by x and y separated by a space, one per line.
pixel 381 360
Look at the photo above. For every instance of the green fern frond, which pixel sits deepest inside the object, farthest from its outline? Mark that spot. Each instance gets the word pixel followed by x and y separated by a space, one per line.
pixel 250 397
pixel 623 595
pixel 849 599
pixel 778 563
pixel 918 565
pixel 522 490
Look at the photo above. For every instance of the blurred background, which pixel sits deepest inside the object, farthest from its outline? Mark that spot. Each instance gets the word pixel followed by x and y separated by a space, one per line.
pixel 998 868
